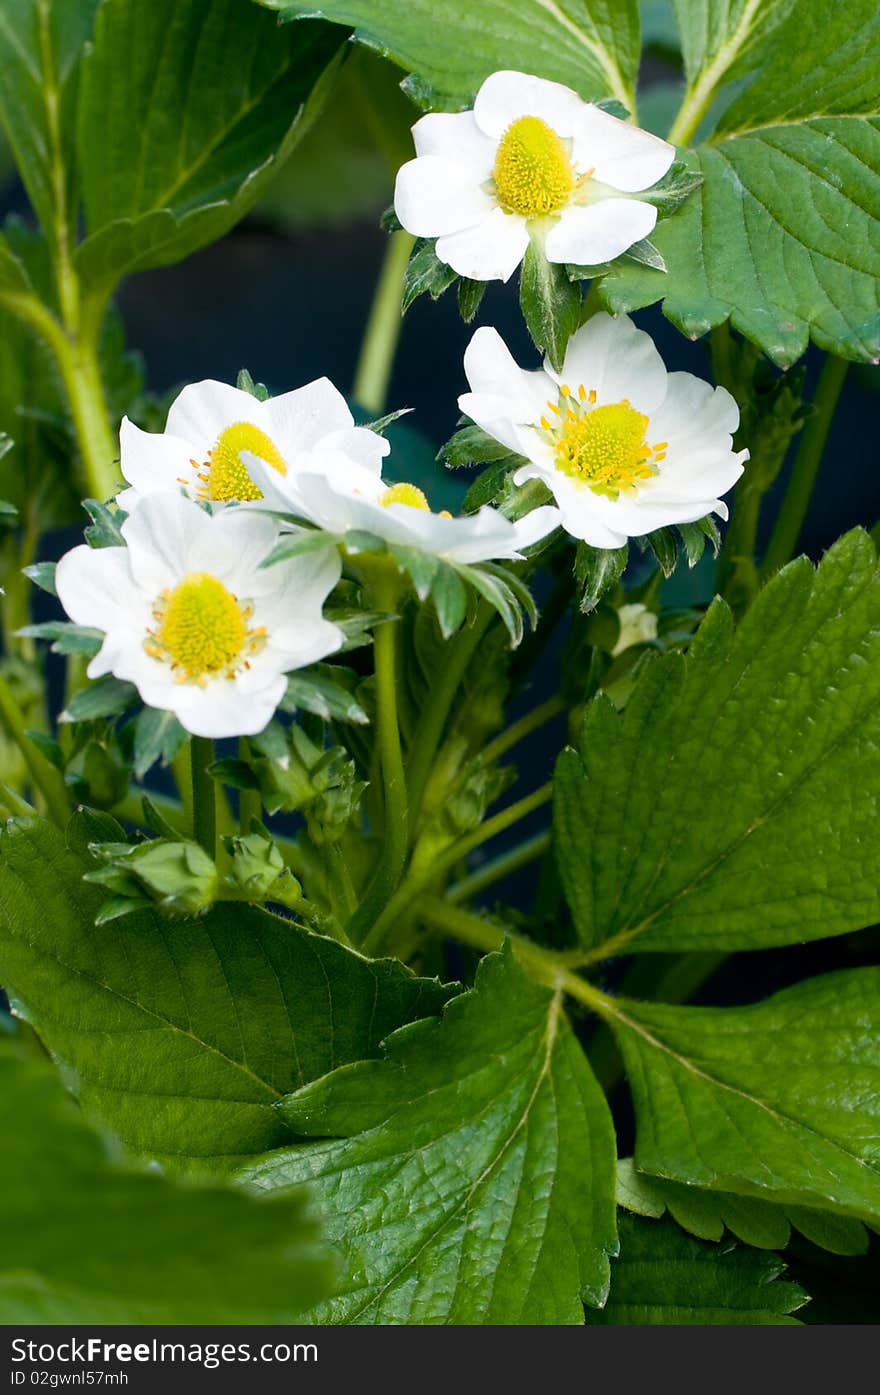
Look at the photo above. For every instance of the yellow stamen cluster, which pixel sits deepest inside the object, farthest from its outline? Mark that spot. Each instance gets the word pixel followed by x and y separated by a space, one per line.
pixel 408 494
pixel 602 447
pixel 202 630
pixel 533 173
pixel 223 475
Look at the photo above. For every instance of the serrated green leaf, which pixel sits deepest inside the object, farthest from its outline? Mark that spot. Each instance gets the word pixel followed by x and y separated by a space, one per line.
pixel 725 36
pixel 105 697
pixel 803 135
pixel 467 1176
pixel 157 736
pixel 779 1100
pixel 705 1213
pixel 470 296
pixel 182 1035
pixel 550 303
pixel 41 47
pixel 165 168
pixel 85 1241
pixel 474 446
pixel 105 527
pixel 665 1277
pixel 776 719
pixel 451 46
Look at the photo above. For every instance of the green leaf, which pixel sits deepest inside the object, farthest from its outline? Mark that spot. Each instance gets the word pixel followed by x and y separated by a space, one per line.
pixel 105 697
pixel 451 46
pixel 779 1100
pixel 425 273
pixel 41 44
pixel 468 1176
pixel 42 574
pixel 550 303
pixel 764 1224
pixel 597 571
pixel 157 736
pixel 450 597
pixel 85 1241
pixel 182 1035
pixel 470 295
pixel 774 719
pixel 724 37
pixel 67 638
pixel 327 690
pixel 781 238
pixel 474 446
pixel 187 107
pixel 665 1277
pixel 106 525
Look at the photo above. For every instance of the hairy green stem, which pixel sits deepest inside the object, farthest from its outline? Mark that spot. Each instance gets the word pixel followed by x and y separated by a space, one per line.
pixel 805 467
pixel 204 816
pixel 373 372
pixel 447 861
pixel 527 851
pixel 45 777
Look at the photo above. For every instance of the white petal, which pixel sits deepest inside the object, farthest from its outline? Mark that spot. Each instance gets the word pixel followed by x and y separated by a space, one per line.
pixel 536 525
pixel 505 96
pixel 694 408
pixel 492 371
pixel 599 232
pixel 434 195
pixel 154 462
pixel 457 136
pixel 96 587
pixel 234 548
pixel 162 533
pixel 220 710
pixel 202 410
pixel 489 251
pixel 618 361
pixel 359 443
pixel 301 586
pixel 296 420
pixel 619 153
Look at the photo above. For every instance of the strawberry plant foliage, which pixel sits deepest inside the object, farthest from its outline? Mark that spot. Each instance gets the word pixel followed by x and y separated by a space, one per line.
pixel 380 849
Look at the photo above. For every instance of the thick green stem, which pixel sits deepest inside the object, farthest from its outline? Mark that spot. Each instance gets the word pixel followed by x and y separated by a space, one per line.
pixel 411 889
pixel 383 327
pixel 436 711
pixel 204 819
pixel 45 777
pixel 88 406
pixel 527 851
pixel 805 467
pixel 395 841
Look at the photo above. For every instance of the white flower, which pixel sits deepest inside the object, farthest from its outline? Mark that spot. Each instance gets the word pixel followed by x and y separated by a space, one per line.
pixel 211 426
pixel 530 150
pixel 638 624
pixel 345 497
pixel 193 620
pixel 624 446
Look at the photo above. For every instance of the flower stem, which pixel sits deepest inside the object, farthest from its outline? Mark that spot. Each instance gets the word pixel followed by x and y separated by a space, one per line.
pixel 204 817
pixel 499 867
pixel 45 777
pixel 789 522
pixel 517 731
pixel 373 371
pixel 250 804
pixel 395 841
pixel 410 890
pixel 436 711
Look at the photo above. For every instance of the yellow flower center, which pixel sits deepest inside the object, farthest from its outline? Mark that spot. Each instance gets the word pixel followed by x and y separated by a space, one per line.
pixel 408 494
pixel 533 174
pixel 202 630
pixel 603 447
pixel 224 476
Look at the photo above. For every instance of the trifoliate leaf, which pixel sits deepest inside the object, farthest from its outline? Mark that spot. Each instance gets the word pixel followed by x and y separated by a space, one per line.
pixel 182 1035
pixel 665 1277
pixel 467 1177
pixel 778 719
pixel 779 1100
pixel 85 1241
pixel 764 1224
